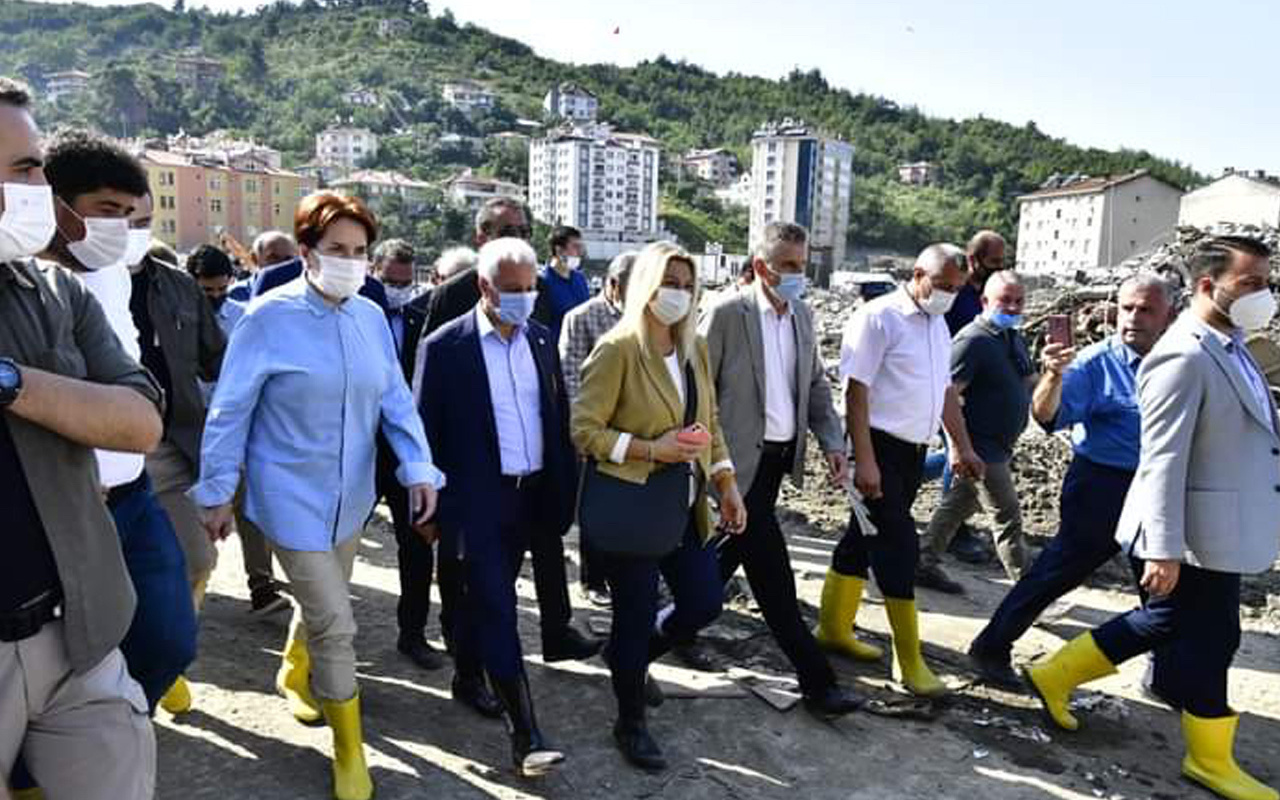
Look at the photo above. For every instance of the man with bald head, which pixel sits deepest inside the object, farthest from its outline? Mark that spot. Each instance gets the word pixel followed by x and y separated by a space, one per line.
pixel 984 257
pixel 893 366
pixel 269 249
pixel 991 369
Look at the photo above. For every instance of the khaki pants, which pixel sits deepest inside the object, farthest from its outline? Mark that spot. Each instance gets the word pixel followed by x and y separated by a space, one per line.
pixel 997 491
pixel 171 477
pixel 320 585
pixel 83 737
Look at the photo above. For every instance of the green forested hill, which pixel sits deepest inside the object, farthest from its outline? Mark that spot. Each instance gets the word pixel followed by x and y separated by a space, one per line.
pixel 289 67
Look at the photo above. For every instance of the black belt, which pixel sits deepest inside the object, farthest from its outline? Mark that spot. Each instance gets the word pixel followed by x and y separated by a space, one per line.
pixel 522 482
pixel 27 621
pixel 780 449
pixel 117 494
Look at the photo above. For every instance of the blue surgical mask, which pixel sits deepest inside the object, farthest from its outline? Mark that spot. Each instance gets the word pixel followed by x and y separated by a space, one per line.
pixel 791 287
pixel 1003 320
pixel 515 308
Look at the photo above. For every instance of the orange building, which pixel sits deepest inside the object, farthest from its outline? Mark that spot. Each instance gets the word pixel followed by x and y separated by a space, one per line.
pixel 199 198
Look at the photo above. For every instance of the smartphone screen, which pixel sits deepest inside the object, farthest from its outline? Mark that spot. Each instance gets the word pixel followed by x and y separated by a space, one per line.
pixel 1061 331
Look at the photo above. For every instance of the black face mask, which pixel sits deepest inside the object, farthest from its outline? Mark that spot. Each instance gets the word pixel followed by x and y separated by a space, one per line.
pixel 217 302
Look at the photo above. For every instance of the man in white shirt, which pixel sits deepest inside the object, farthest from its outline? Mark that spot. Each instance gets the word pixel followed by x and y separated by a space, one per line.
pixel 895 364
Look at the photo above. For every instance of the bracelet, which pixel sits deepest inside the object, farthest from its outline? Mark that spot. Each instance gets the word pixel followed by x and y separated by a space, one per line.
pixel 650 452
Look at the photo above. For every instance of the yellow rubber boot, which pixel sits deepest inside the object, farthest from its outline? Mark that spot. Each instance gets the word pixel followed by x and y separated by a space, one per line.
pixel 293 680
pixel 908 667
pixel 351 779
pixel 1210 759
pixel 197 592
pixel 34 793
pixel 841 596
pixel 1078 661
pixel 178 699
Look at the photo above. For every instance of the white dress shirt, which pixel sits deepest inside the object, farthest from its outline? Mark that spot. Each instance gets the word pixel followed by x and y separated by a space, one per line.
pixel 113 288
pixel 515 396
pixel 903 356
pixel 778 332
pixel 1234 344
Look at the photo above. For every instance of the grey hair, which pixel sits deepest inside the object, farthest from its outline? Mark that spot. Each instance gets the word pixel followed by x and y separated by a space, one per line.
pixel 455 260
pixel 493 208
pixel 393 250
pixel 776 233
pixel 1142 281
pixel 505 251
pixel 264 241
pixel 935 258
pixel 1005 277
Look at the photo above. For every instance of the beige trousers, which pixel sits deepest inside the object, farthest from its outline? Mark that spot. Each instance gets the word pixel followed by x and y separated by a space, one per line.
pixel 322 615
pixel 84 737
pixel 171 477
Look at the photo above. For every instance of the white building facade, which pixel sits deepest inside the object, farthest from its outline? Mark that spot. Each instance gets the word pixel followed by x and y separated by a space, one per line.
pixel 468 97
pixel 801 177
pixel 717 166
pixel 472 191
pixel 1239 197
pixel 345 148
pixel 1080 222
pixel 571 101
pixel 601 182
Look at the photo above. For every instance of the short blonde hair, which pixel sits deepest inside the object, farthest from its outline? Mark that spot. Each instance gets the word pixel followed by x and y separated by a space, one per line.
pixel 646 278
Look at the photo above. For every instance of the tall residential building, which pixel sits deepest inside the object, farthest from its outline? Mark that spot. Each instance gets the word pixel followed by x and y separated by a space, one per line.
pixel 1240 197
pixel 602 182
pixel 1078 222
pixel 197 199
pixel 802 177
pixel 345 148
pixel 571 101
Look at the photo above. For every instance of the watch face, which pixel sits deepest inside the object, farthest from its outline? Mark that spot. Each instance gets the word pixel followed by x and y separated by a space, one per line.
pixel 9 376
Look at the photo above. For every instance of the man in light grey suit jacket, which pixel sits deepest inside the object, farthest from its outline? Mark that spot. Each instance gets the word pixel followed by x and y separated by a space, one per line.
pixel 771 390
pixel 1204 507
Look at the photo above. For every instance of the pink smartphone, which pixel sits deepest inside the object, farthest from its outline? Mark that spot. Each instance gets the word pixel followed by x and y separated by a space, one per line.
pixel 695 434
pixel 1061 331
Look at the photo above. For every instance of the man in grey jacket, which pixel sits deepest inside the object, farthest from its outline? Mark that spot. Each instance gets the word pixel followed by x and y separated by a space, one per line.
pixel 1204 508
pixel 771 390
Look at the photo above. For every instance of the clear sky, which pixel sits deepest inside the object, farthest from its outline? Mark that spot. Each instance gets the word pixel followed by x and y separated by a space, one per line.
pixel 1193 80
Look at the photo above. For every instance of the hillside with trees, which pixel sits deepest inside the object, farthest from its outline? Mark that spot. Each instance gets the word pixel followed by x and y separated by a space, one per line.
pixel 291 69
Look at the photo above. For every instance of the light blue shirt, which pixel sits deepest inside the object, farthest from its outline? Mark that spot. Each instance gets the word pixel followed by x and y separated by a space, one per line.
pixel 1100 404
pixel 303 391
pixel 514 395
pixel 228 314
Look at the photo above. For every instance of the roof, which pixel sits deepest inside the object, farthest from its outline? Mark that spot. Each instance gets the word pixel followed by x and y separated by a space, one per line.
pixel 466 176
pixel 694 155
pixel 346 129
pixel 381 178
pixel 71 73
pixel 569 87
pixel 1088 185
pixel 1271 182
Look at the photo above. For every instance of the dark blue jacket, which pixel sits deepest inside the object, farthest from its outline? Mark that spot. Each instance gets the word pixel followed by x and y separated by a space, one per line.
pixel 281 274
pixel 458 414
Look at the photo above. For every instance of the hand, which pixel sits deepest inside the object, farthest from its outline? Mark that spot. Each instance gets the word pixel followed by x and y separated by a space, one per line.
pixel 733 512
pixel 430 532
pixel 217 521
pixel 422 503
pixel 1160 578
pixel 866 477
pixel 966 464
pixel 669 450
pixel 838 467
pixel 1056 358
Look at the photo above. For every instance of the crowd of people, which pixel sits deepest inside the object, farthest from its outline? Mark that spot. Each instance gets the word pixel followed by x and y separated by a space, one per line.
pixel 152 408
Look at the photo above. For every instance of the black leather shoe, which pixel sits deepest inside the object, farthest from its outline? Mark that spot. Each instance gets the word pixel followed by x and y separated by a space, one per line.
pixel 931 576
pixel 994 670
pixel 695 655
pixel 969 547
pixel 832 702
pixel 420 653
pixel 531 754
pixel 472 692
pixel 637 746
pixel 570 645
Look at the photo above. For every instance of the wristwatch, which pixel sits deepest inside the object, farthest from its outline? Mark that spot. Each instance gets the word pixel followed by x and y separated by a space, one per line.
pixel 10 382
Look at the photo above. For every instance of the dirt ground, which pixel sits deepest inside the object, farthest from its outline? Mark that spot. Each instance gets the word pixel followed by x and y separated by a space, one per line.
pixel 723 741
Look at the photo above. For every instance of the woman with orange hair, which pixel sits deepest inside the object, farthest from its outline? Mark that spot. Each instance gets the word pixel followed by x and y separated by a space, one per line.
pixel 309 379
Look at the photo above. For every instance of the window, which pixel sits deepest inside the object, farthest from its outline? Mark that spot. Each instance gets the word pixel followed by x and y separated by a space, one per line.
pixel 1059 213
pixel 215 182
pixel 215 205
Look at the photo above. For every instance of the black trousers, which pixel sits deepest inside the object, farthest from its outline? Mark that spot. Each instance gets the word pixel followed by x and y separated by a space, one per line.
pixel 1195 631
pixel 762 552
pixel 1092 498
pixel 415 558
pixel 895 548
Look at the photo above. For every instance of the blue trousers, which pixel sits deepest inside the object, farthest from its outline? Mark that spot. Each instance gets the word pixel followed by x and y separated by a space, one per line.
pixel 161 641
pixel 1089 510
pixel 486 632
pixel 1195 632
pixel 693 575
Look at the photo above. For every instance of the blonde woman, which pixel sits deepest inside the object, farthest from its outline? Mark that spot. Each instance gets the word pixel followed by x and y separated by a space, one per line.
pixel 646 406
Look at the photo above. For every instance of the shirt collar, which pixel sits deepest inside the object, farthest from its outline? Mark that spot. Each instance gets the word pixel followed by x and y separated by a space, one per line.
pixel 1127 355
pixel 904 302
pixel 1229 341
pixel 18 272
pixel 485 327
pixel 766 305
pixel 316 304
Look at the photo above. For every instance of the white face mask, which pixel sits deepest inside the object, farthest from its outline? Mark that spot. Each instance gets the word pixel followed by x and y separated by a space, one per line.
pixel 139 244
pixel 938 302
pixel 105 241
pixel 399 296
pixel 1253 311
pixel 340 277
pixel 573 262
pixel 27 223
pixel 671 305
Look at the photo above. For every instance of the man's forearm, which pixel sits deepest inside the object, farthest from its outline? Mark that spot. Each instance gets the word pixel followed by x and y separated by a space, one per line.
pixel 91 414
pixel 953 422
pixel 1046 398
pixel 858 421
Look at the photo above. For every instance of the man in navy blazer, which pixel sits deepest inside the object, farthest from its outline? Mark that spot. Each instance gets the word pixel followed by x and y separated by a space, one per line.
pixel 497 416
